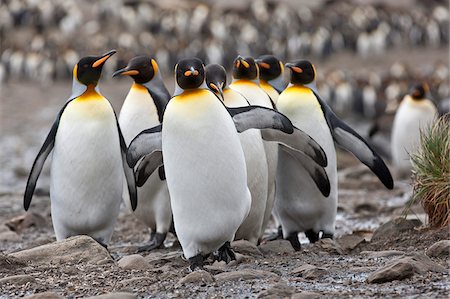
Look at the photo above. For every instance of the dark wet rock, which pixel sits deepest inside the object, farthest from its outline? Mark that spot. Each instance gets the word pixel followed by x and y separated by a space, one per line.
pixel 44 295
pixel 118 295
pixel 276 247
pixel 245 274
pixel 279 290
pixel 200 277
pixel 133 262
pixel 350 242
pixel 245 247
pixel 26 220
pixel 82 249
pixel 306 295
pixel 17 280
pixel 384 253
pixel 439 249
pixel 405 267
pixel 329 246
pixel 394 227
pixel 10 263
pixel 10 236
pixel 308 271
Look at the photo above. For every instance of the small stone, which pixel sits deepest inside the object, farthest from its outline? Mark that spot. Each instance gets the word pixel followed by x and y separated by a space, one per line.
pixel 279 290
pixel 384 253
pixel 394 227
pixel 118 295
pixel 10 263
pixel 396 271
pixel 423 263
pixel 350 242
pixel 308 271
pixel 136 281
pixel 198 277
pixel 17 280
pixel 439 249
pixel 245 274
pixel 306 295
pixel 44 295
pixel 133 262
pixel 10 236
pixel 280 247
pixel 245 247
pixel 330 246
pixel 26 220
pixel 82 249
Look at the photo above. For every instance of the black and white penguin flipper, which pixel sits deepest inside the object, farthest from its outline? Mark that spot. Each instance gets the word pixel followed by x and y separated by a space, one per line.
pixel 348 139
pixel 298 141
pixel 38 164
pixel 258 117
pixel 147 166
pixel 148 142
pixel 317 173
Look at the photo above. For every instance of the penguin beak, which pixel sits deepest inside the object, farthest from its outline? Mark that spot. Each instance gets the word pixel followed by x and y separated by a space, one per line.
pixel 102 59
pixel 262 64
pixel 191 72
pixel 217 87
pixel 125 71
pixel 294 68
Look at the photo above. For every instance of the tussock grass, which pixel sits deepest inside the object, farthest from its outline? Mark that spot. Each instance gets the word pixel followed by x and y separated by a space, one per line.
pixel 431 173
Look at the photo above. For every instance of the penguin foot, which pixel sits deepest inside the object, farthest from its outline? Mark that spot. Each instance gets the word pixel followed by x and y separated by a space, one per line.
pixel 276 236
pixel 196 262
pixel 156 241
pixel 225 253
pixel 293 238
pixel 327 236
pixel 312 236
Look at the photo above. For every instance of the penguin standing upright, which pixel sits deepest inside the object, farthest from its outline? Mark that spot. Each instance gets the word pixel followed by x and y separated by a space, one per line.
pixel 204 161
pixel 246 82
pixel 271 76
pixel 300 206
pixel 414 113
pixel 88 161
pixel 144 108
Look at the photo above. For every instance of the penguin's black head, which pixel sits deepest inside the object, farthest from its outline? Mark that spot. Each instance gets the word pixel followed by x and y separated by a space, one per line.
pixel 302 72
pixel 270 67
pixel 245 68
pixel 216 78
pixel 88 70
pixel 190 73
pixel 141 68
pixel 419 91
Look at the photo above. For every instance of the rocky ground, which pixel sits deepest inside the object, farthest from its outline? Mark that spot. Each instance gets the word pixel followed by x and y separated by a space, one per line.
pixel 373 254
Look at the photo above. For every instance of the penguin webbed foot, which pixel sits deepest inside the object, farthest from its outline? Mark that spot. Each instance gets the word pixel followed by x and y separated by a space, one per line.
pixel 156 242
pixel 196 262
pixel 327 236
pixel 224 253
pixel 312 236
pixel 293 238
pixel 276 236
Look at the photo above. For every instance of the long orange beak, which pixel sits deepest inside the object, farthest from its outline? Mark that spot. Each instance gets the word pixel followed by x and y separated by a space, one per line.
pixel 103 58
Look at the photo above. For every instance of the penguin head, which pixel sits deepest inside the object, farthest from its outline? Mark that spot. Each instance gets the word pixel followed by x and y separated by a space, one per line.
pixel 216 78
pixel 141 68
pixel 419 91
pixel 245 68
pixel 88 70
pixel 189 73
pixel 270 67
pixel 302 72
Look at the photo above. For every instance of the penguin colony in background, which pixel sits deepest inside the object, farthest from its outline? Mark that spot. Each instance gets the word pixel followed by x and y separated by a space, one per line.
pixel 216 159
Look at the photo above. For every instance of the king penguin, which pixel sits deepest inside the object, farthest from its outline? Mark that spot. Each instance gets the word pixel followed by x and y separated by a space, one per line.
pixel 198 144
pixel 414 113
pixel 144 108
pixel 300 206
pixel 88 162
pixel 246 82
pixel 271 76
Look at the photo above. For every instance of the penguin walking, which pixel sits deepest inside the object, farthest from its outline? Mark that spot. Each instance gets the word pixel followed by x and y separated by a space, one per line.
pixel 204 161
pixel 271 76
pixel 414 113
pixel 144 108
pixel 246 82
pixel 300 206
pixel 88 162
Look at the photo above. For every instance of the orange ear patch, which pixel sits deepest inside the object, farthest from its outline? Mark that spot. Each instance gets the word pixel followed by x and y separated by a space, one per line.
pixel 296 69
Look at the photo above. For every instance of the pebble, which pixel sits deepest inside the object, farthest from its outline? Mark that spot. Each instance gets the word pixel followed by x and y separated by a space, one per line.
pixel 82 249
pixel 26 220
pixel 17 280
pixel 280 247
pixel 118 295
pixel 439 249
pixel 308 271
pixel 198 277
pixel 394 227
pixel 133 262
pixel 44 295
pixel 330 246
pixel 245 274
pixel 133 282
pixel 10 236
pixel 245 247
pixel 384 253
pixel 279 290
pixel 306 295
pixel 10 263
pixel 350 242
